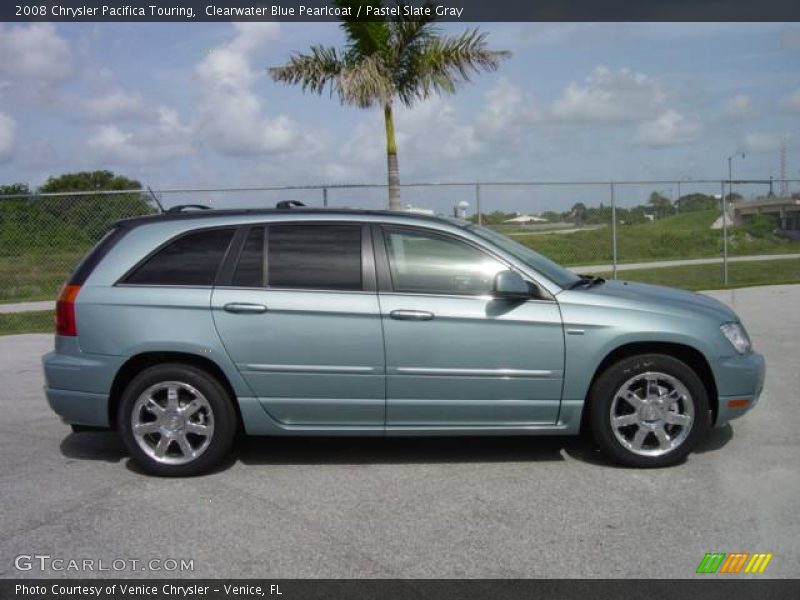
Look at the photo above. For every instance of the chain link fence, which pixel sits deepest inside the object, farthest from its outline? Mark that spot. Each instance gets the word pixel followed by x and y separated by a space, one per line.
pixel 620 229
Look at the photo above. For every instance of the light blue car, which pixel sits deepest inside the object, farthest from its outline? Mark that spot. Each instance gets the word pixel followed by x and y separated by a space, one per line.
pixel 180 330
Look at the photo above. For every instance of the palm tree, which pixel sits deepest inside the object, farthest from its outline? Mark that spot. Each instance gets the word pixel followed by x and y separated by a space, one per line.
pixel 398 58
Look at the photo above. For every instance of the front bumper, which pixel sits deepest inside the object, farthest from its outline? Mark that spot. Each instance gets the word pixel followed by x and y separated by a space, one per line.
pixel 740 381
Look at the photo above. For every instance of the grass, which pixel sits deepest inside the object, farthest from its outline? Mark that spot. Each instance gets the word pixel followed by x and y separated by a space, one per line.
pixel 682 236
pixel 40 321
pixel 709 277
pixel 36 276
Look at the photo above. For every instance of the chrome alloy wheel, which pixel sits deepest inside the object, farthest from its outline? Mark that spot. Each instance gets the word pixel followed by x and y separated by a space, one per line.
pixel 652 414
pixel 172 422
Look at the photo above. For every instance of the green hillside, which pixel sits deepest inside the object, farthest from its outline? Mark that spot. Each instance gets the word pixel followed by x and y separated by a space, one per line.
pixel 687 235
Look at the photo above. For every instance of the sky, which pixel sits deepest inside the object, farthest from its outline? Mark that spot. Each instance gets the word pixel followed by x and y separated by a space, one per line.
pixel 191 105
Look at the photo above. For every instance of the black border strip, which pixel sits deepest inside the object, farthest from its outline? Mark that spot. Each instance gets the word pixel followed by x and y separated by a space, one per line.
pixel 707 588
pixel 465 10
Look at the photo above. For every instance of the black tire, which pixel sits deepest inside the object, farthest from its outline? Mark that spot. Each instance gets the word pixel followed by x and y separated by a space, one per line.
pixel 222 417
pixel 609 383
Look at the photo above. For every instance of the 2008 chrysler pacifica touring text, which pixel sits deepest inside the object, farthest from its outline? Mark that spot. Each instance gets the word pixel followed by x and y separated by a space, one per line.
pixel 179 329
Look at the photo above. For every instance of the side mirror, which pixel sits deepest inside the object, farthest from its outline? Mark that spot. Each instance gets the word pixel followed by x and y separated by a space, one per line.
pixel 509 284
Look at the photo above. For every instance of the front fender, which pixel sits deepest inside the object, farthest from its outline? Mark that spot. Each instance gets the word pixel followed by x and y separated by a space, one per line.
pixel 592 333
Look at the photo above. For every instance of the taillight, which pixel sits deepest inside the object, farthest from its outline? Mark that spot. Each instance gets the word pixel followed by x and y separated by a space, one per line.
pixel 65 311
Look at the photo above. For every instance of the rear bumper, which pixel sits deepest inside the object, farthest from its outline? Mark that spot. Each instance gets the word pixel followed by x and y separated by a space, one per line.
pixel 740 381
pixel 77 386
pixel 79 408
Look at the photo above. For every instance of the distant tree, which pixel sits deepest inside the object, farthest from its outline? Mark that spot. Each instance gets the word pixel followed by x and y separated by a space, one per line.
pixel 636 215
pixel 694 202
pixel 661 204
pixel 14 189
pixel 578 212
pixel 93 213
pixel 88 181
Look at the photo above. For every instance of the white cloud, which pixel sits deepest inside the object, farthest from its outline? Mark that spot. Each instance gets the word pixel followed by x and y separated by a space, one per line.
pixel 609 96
pixel 114 105
pixel 763 142
pixel 231 118
pixel 34 52
pixel 163 138
pixel 252 36
pixel 506 109
pixel 670 128
pixel 431 129
pixel 7 133
pixel 738 107
pixel 792 101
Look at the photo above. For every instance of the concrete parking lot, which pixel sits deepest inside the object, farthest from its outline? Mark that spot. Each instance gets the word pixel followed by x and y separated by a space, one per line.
pixel 513 507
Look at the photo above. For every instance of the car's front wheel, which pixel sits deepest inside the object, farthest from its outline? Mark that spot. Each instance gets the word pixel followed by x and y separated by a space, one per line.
pixel 176 420
pixel 648 410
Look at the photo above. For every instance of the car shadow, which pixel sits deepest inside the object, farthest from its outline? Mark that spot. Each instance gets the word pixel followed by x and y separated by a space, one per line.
pixel 717 438
pixel 397 450
pixel 94 445
pixel 108 447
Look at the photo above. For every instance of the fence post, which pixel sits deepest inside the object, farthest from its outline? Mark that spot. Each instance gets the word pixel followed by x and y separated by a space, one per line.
pixel 724 235
pixel 325 197
pixel 613 233
pixel 478 203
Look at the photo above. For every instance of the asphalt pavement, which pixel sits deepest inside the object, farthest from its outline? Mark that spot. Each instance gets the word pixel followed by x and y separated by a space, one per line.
pixel 464 507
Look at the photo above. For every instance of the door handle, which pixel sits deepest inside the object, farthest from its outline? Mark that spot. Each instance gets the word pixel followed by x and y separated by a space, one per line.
pixel 244 307
pixel 411 315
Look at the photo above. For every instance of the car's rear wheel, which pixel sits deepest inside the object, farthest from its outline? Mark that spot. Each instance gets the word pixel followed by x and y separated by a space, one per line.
pixel 648 411
pixel 176 420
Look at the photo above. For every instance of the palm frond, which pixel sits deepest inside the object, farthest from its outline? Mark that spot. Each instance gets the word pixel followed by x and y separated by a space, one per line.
pixel 444 63
pixel 366 82
pixel 363 37
pixel 313 71
pixel 409 32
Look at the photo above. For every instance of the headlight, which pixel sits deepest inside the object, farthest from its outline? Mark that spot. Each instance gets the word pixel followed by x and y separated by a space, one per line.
pixel 737 336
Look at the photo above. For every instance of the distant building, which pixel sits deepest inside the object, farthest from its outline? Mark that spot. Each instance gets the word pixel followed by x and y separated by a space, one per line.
pixel 787 209
pixel 523 219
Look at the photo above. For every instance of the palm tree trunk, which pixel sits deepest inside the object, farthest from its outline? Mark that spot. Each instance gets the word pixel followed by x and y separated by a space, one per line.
pixel 393 168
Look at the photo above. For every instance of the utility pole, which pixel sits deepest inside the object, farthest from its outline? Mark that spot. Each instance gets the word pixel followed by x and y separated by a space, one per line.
pixel 613 233
pixel 725 215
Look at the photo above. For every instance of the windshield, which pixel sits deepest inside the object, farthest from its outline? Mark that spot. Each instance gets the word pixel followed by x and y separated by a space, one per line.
pixel 553 271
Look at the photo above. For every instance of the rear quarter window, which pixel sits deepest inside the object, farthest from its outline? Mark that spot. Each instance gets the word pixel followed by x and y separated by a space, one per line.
pixel 191 259
pixel 95 255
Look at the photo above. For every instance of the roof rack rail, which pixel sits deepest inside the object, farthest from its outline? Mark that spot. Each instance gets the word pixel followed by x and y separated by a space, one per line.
pixel 182 207
pixel 286 204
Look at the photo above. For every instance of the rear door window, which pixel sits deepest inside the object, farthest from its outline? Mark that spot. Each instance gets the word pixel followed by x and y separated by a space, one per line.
pixel 192 259
pixel 314 256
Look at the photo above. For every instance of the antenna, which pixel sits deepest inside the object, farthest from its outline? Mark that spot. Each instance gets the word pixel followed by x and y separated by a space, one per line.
pixel 155 199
